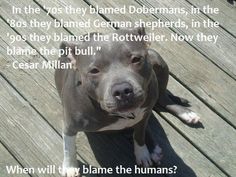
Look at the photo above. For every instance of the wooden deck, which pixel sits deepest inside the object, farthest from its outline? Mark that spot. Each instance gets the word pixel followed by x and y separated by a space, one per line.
pixel 204 73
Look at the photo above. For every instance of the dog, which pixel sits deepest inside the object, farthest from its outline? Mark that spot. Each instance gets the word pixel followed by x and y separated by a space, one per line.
pixel 114 89
pixel 231 1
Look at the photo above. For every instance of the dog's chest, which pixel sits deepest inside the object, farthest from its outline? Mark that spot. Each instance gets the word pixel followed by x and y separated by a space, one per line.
pixel 125 120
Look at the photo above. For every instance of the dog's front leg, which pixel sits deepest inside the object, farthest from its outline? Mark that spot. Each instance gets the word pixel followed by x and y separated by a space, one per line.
pixel 142 155
pixel 70 165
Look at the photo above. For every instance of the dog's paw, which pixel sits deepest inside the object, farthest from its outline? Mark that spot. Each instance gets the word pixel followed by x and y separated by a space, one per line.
pixel 157 155
pixel 70 170
pixel 190 117
pixel 142 155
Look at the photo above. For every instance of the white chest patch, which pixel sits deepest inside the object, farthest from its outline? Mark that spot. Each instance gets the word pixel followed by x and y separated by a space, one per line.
pixel 126 120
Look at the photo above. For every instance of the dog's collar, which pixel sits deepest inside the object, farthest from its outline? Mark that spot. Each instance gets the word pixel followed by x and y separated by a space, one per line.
pixel 130 115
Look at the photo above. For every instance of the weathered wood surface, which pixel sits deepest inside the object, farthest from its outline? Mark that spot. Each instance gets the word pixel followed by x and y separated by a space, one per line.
pixel 226 16
pixel 33 85
pixel 174 147
pixel 222 53
pixel 209 136
pixel 83 147
pixel 6 159
pixel 23 130
pixel 196 159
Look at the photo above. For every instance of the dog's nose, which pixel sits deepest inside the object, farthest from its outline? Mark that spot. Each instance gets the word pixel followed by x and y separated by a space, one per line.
pixel 122 91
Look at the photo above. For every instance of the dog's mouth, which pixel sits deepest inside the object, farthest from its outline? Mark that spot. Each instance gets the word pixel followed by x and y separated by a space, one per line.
pixel 124 106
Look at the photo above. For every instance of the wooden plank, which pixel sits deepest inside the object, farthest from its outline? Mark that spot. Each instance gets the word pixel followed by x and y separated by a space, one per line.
pixel 203 78
pixel 6 159
pixel 35 85
pixel 32 141
pixel 177 152
pixel 226 16
pixel 222 53
pixel 211 135
pixel 34 82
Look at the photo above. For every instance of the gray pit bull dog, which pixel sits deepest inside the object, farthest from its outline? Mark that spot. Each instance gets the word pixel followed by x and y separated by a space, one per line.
pixel 114 89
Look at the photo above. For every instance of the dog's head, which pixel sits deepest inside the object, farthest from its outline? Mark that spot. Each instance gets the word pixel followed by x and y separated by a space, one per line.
pixel 117 76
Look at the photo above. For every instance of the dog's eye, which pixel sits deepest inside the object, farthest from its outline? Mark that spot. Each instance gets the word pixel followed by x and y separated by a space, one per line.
pixel 136 60
pixel 94 71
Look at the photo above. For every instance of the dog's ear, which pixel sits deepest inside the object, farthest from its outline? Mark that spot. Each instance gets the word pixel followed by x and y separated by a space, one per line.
pixel 68 50
pixel 141 32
